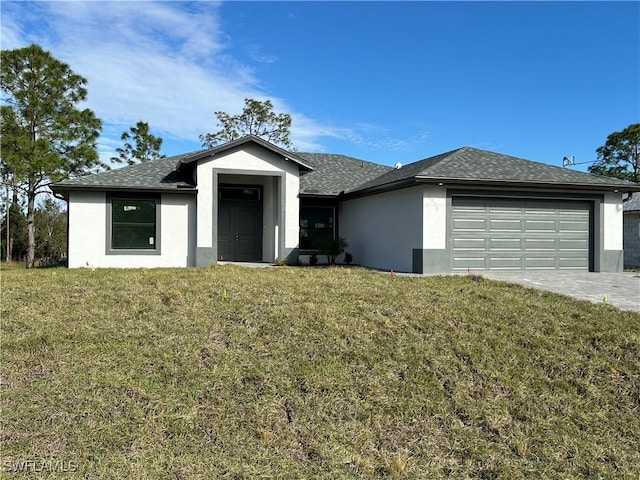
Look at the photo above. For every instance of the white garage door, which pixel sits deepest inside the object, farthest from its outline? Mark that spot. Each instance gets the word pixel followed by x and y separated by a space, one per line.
pixel 519 234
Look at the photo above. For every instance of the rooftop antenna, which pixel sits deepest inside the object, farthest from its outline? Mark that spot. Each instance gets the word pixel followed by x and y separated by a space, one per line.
pixel 568 160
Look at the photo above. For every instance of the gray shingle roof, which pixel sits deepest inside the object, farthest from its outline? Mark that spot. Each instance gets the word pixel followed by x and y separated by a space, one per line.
pixel 472 164
pixel 333 173
pixel 156 174
pixel 633 204
pixel 164 174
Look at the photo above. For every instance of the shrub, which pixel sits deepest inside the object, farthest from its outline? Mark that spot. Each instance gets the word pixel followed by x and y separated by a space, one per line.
pixel 332 247
pixel 348 258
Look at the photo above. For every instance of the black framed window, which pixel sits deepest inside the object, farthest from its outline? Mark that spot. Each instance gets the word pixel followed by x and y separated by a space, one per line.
pixel 134 224
pixel 239 193
pixel 316 224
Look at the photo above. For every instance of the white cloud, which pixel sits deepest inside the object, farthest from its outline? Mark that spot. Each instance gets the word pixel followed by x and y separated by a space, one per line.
pixel 150 61
pixel 257 55
pixel 161 62
pixel 11 36
pixel 375 137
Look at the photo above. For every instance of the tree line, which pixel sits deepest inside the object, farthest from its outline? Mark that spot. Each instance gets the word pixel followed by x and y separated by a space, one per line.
pixel 46 136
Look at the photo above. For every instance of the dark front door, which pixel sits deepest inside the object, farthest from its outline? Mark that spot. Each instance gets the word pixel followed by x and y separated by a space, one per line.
pixel 239 226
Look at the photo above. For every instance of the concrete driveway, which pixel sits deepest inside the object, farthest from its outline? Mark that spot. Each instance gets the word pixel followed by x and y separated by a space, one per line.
pixel 620 289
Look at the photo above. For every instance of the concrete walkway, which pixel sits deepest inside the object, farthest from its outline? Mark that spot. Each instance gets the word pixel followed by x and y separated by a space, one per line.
pixel 620 289
pixel 248 264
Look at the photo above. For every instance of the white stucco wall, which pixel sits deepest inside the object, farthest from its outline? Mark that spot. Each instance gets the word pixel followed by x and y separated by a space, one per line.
pixel 88 233
pixel 269 217
pixel 257 162
pixel 292 219
pixel 87 228
pixel 382 230
pixel 434 217
pixel 612 221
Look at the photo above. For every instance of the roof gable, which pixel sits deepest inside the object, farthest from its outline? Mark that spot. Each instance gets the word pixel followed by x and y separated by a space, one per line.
pixel 210 152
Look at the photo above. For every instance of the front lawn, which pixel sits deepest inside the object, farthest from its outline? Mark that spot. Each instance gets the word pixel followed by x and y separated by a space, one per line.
pixel 227 372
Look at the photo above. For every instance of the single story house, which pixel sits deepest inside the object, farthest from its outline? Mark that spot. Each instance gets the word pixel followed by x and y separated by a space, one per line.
pixel 251 201
pixel 631 235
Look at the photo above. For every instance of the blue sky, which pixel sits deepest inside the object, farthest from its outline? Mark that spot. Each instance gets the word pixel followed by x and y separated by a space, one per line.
pixel 383 81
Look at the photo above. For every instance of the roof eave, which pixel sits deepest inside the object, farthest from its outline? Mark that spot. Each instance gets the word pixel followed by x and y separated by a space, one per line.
pixel 385 187
pixel 319 195
pixel 622 188
pixel 450 181
pixel 62 188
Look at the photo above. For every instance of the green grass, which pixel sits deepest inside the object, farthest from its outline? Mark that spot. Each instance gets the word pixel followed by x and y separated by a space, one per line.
pixel 333 373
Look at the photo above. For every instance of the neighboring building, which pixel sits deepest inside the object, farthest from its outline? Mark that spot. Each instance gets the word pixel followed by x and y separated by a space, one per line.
pixel 249 200
pixel 631 235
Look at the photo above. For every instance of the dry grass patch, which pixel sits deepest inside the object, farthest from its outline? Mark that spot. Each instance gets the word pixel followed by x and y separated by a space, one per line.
pixel 227 372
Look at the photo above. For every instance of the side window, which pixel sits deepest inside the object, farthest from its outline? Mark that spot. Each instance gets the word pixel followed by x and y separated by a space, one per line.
pixel 133 225
pixel 316 224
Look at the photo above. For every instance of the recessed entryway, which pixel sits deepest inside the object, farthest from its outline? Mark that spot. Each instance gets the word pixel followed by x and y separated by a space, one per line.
pixel 240 224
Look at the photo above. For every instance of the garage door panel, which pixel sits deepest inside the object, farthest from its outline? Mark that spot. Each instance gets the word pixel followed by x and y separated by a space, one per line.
pixel 540 213
pixel 577 263
pixel 505 244
pixel 509 234
pixel 573 215
pixel 538 225
pixel 469 224
pixel 541 263
pixel 573 226
pixel 469 243
pixel 575 244
pixel 474 263
pixel 504 263
pixel 505 225
pixel 537 244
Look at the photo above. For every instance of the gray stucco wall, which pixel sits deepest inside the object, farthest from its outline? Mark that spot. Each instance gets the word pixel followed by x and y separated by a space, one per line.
pixel 631 239
pixel 383 230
